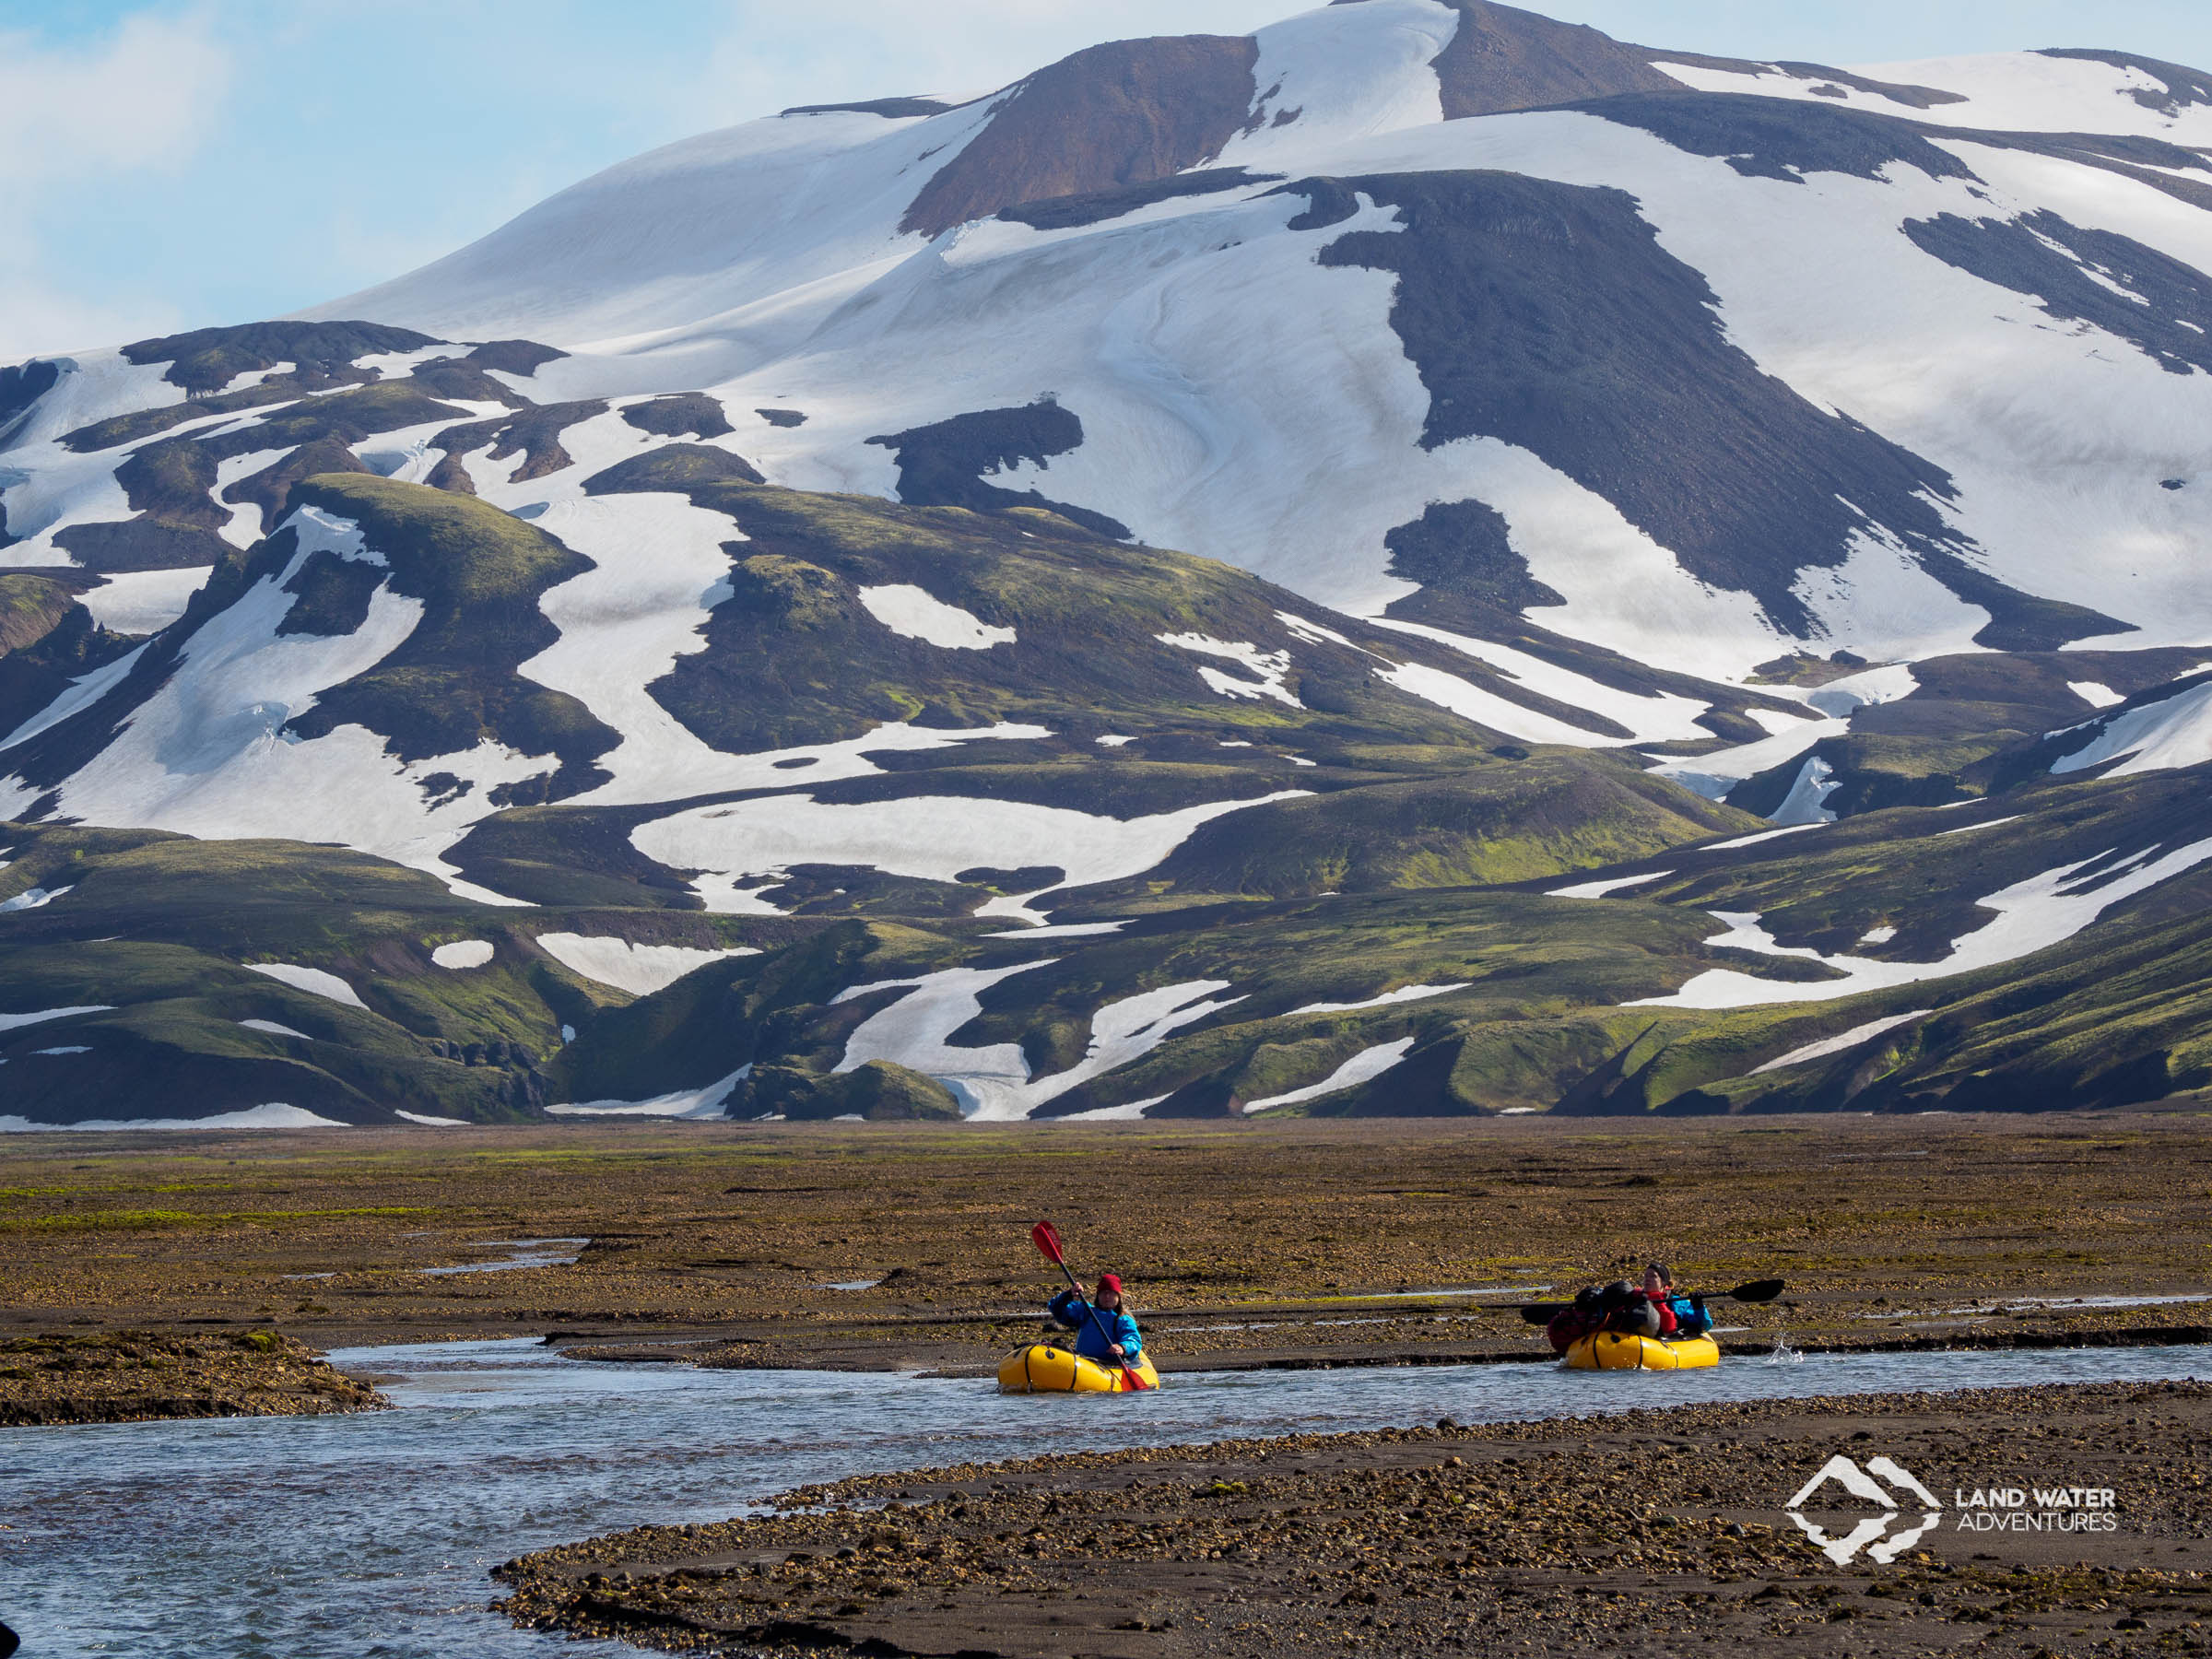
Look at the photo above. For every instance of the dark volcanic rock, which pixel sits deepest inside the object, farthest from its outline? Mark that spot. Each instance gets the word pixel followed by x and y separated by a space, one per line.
pixel 207 359
pixel 2082 275
pixel 1782 139
pixel 1462 549
pixel 19 388
pixel 944 464
pixel 679 415
pixel 1548 315
pixel 1111 116
pixel 890 109
pixel 673 466
pixel 1504 58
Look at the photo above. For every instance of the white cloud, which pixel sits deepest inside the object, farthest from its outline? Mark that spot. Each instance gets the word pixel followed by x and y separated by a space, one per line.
pixel 71 119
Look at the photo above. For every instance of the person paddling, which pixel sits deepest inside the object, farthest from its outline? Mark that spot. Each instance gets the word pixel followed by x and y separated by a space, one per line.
pixel 1112 1336
pixel 1680 1316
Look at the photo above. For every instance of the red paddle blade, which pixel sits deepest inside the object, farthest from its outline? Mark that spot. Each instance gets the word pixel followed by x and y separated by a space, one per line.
pixel 1133 1381
pixel 1045 1239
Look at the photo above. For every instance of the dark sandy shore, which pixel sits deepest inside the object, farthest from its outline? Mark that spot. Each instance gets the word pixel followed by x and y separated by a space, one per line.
pixel 1651 1533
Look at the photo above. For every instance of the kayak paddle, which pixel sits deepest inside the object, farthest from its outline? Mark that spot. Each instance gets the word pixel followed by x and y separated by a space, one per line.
pixel 1757 1290
pixel 1048 1240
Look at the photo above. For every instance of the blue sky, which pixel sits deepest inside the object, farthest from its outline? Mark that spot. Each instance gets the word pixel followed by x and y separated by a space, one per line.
pixel 169 165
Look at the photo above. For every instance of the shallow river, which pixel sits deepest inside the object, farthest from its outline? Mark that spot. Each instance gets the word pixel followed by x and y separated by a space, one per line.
pixel 370 1536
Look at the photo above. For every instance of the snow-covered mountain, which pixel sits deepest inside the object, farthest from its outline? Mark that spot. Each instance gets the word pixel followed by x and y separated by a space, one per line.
pixel 751 554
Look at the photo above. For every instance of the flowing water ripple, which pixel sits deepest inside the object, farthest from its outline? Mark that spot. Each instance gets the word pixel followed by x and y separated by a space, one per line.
pixel 370 1536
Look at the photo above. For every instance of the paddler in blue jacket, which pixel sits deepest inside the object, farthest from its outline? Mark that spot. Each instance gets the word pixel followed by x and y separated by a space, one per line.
pixel 1111 1339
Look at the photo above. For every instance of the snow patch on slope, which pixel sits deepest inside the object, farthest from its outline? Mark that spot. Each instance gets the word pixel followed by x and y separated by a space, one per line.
pixel 912 613
pixel 1268 668
pixel 1367 1064
pixel 992 1083
pixel 2173 732
pixel 933 838
pixel 9 1022
pixel 2032 915
pixel 1659 717
pixel 1839 1042
pixel 318 981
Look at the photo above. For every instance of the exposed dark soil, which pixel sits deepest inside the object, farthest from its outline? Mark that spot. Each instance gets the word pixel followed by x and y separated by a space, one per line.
pixel 130 1376
pixel 1278 1244
pixel 1653 1532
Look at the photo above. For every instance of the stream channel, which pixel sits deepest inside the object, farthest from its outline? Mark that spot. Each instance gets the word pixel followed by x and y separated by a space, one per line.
pixel 370 1536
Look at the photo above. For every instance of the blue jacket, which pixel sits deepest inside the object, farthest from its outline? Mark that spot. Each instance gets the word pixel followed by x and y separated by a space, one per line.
pixel 1074 1312
pixel 1691 1318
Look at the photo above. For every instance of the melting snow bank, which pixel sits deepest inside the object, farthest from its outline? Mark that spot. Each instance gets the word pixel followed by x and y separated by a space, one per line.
pixel 8 1022
pixel 639 968
pixel 931 838
pixel 684 1104
pixel 2173 732
pixel 1802 808
pixel 310 979
pixel 1841 1041
pixel 1715 775
pixel 144 602
pixel 1366 1063
pixel 1598 890
pixel 1269 668
pixel 2032 915
pixel 913 613
pixel 1403 993
pixel 34 899
pixel 274 1116
pixel 993 1082
pixel 462 953
pixel 1656 717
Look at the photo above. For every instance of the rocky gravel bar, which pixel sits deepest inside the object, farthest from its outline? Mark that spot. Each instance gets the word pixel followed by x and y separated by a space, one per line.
pixel 1653 1531
pixel 131 1376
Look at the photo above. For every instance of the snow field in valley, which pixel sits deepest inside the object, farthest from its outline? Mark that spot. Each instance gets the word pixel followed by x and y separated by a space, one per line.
pixel 639 968
pixel 144 602
pixel 273 1116
pixel 704 1102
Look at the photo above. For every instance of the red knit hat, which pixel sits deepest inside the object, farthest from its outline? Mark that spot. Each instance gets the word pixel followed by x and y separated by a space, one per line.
pixel 1110 1281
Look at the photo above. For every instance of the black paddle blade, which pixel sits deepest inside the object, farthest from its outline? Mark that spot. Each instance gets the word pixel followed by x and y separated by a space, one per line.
pixel 1543 1313
pixel 1759 1290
